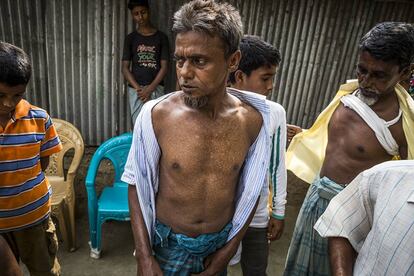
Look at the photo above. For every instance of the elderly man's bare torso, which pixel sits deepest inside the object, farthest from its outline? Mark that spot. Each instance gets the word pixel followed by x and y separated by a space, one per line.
pixel 352 144
pixel 202 156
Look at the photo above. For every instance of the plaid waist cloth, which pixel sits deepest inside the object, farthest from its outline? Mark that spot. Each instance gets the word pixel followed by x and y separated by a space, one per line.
pixel 308 252
pixel 178 254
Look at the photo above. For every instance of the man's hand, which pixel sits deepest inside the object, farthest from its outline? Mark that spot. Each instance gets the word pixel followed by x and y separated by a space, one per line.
pixel 145 93
pixel 292 130
pixel 215 263
pixel 275 229
pixel 148 267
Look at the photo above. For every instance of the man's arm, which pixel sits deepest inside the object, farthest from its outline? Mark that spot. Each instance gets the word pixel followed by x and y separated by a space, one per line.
pixel 278 181
pixel 9 265
pixel 342 256
pixel 128 75
pixel 44 162
pixel 146 263
pixel 146 92
pixel 218 261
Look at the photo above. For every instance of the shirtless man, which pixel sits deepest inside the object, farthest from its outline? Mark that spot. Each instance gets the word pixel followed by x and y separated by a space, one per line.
pixel 357 138
pixel 199 156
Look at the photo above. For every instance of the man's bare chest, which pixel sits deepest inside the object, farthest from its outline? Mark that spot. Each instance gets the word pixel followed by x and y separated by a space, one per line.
pixel 349 132
pixel 219 146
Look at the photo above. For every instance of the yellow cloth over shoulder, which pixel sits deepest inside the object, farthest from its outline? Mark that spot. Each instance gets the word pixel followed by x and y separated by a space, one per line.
pixel 306 152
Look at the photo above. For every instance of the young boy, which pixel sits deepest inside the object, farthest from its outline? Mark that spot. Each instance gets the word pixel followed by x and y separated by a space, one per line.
pixel 27 139
pixel 256 71
pixel 145 58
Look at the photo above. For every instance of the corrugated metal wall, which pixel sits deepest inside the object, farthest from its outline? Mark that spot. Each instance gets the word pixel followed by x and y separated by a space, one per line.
pixel 76 46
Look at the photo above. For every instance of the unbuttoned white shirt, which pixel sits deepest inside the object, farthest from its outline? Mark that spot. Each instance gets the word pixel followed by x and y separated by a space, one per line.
pixel 142 166
pixel 375 212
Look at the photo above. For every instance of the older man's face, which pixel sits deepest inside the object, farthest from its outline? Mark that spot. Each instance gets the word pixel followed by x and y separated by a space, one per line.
pixel 202 67
pixel 377 78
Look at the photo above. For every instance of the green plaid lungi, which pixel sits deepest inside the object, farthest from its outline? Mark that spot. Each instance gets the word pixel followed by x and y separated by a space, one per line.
pixel 178 254
pixel 308 252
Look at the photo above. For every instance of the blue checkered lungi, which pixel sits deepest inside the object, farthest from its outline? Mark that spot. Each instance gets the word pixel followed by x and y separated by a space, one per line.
pixel 308 252
pixel 178 254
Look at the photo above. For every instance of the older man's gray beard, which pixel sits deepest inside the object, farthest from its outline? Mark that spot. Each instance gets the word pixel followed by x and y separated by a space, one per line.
pixel 368 100
pixel 195 102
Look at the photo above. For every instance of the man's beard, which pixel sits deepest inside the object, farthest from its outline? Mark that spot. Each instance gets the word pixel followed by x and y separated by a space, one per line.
pixel 195 102
pixel 370 101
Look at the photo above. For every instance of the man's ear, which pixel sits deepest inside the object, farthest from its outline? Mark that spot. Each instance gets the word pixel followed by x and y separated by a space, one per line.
pixel 239 76
pixel 406 72
pixel 234 60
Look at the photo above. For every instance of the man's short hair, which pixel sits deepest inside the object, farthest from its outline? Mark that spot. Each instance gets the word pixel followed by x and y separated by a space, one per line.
pixel 390 42
pixel 255 54
pixel 214 19
pixel 134 3
pixel 15 67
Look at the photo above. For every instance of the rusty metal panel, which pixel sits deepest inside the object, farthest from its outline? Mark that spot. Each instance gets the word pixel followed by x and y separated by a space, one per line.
pixel 76 47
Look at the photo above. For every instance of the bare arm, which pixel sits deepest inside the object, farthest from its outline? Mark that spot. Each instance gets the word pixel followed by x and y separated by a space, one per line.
pixel 147 265
pixel 128 75
pixel 146 92
pixel 342 256
pixel 219 260
pixel 160 75
pixel 9 265
pixel 44 162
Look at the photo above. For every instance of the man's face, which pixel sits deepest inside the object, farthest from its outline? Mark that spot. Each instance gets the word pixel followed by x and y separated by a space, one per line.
pixel 10 96
pixel 140 15
pixel 376 77
pixel 202 68
pixel 259 81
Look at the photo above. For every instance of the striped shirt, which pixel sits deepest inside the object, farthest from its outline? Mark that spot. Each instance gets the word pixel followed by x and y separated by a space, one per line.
pixel 24 189
pixel 376 214
pixel 142 165
pixel 277 170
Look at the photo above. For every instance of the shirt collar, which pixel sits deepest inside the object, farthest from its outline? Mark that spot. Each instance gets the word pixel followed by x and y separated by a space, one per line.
pixel 21 110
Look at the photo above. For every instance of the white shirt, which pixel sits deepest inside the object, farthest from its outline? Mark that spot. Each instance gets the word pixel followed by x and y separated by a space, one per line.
pixel 277 170
pixel 142 166
pixel 376 214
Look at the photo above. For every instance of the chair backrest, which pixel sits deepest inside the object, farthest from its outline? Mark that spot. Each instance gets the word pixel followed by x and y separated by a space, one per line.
pixel 70 138
pixel 116 150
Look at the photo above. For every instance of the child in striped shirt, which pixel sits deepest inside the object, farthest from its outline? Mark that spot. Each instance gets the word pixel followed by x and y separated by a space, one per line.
pixel 27 139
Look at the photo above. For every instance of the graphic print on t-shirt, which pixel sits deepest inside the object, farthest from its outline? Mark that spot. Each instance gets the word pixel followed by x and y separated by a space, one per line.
pixel 146 56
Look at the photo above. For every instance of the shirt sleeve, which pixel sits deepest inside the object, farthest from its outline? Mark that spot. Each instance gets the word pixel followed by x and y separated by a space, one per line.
pixel 165 47
pixel 132 162
pixel 278 169
pixel 349 214
pixel 51 143
pixel 126 54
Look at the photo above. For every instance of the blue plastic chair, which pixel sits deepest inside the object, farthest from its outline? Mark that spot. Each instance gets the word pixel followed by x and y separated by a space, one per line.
pixel 113 201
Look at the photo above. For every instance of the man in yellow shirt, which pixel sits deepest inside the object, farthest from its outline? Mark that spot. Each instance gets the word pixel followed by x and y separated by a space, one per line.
pixel 366 124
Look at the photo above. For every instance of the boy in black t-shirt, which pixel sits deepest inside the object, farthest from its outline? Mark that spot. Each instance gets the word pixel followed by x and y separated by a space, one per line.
pixel 147 49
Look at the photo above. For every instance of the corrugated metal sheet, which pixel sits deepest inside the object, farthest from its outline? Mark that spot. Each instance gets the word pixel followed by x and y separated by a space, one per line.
pixel 76 48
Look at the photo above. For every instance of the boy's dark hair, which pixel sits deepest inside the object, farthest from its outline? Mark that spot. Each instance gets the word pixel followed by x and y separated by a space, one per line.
pixel 15 67
pixel 211 18
pixel 390 42
pixel 134 3
pixel 255 54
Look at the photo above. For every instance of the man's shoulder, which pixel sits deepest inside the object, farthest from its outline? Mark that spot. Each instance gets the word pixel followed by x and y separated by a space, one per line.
pixel 163 105
pixel 251 99
pixel 162 34
pixel 405 166
pixel 131 35
pixel 276 108
pixel 34 111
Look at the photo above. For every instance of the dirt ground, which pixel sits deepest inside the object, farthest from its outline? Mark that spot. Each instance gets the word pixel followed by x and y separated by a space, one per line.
pixel 117 242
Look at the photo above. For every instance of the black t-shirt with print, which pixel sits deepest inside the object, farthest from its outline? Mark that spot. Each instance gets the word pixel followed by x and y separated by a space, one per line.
pixel 146 53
